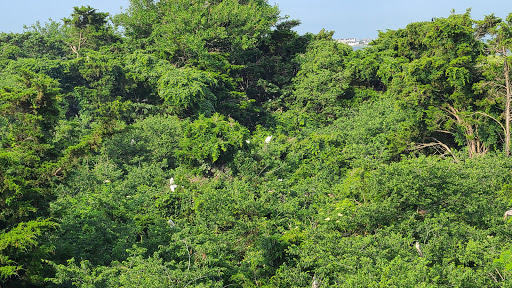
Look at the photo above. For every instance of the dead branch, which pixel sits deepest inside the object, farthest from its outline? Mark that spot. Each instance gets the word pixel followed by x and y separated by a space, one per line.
pixel 499 274
pixel 495 280
pixel 443 131
pixel 435 144
pixel 487 115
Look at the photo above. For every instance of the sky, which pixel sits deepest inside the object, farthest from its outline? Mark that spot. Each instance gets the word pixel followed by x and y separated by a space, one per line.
pixel 348 18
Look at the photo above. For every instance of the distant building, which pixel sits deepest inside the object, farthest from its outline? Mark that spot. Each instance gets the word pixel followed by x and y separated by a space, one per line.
pixel 355 41
pixel 349 41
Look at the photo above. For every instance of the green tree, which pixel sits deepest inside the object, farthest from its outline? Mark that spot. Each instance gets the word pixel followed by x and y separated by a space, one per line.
pixel 28 115
pixel 210 140
pixel 38 41
pixel 268 68
pixel 139 21
pixel 376 132
pixel 435 69
pixel 194 30
pixel 496 67
pixel 322 84
pixel 88 28
pixel 187 91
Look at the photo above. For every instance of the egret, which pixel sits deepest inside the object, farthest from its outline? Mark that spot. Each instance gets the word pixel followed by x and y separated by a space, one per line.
pixel 172 186
pixel 507 213
pixel 316 283
pixel 417 245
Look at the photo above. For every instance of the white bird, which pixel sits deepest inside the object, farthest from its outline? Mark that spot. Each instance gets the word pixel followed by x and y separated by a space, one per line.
pixel 316 283
pixel 507 213
pixel 418 248
pixel 267 140
pixel 172 186
pixel 171 223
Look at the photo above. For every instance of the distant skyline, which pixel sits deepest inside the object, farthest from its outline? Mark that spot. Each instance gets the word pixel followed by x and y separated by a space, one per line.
pixel 359 19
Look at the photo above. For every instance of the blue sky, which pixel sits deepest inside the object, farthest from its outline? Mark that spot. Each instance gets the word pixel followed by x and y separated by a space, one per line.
pixel 349 18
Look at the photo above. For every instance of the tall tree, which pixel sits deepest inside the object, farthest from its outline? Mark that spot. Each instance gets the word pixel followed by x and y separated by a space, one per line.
pixel 28 115
pixel 88 28
pixel 433 66
pixel 191 31
pixel 139 21
pixel 322 83
pixel 496 66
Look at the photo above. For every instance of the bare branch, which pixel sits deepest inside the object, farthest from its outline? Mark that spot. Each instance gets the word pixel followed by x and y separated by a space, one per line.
pixel 435 144
pixel 499 273
pixel 487 115
pixel 269 172
pixel 447 132
pixel 495 280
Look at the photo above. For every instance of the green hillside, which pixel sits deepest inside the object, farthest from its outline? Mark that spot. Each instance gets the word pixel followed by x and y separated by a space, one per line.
pixel 206 144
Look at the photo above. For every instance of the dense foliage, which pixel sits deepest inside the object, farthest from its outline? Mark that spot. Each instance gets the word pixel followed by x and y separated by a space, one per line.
pixel 206 144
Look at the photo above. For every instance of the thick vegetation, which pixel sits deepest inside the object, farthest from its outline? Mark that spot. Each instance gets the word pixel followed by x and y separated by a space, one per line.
pixel 206 144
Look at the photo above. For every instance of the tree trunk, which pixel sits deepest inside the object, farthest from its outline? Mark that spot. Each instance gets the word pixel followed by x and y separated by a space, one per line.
pixel 508 97
pixel 474 144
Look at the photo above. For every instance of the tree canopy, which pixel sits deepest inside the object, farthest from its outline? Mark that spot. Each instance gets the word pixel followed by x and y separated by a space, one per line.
pixel 206 143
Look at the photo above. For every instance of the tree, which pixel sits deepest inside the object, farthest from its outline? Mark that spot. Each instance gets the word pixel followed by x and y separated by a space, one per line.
pixel 28 115
pixel 88 28
pixel 376 132
pixel 212 140
pixel 268 69
pixel 198 31
pixel 186 32
pixel 38 41
pixel 187 91
pixel 322 84
pixel 496 66
pixel 139 21
pixel 433 66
